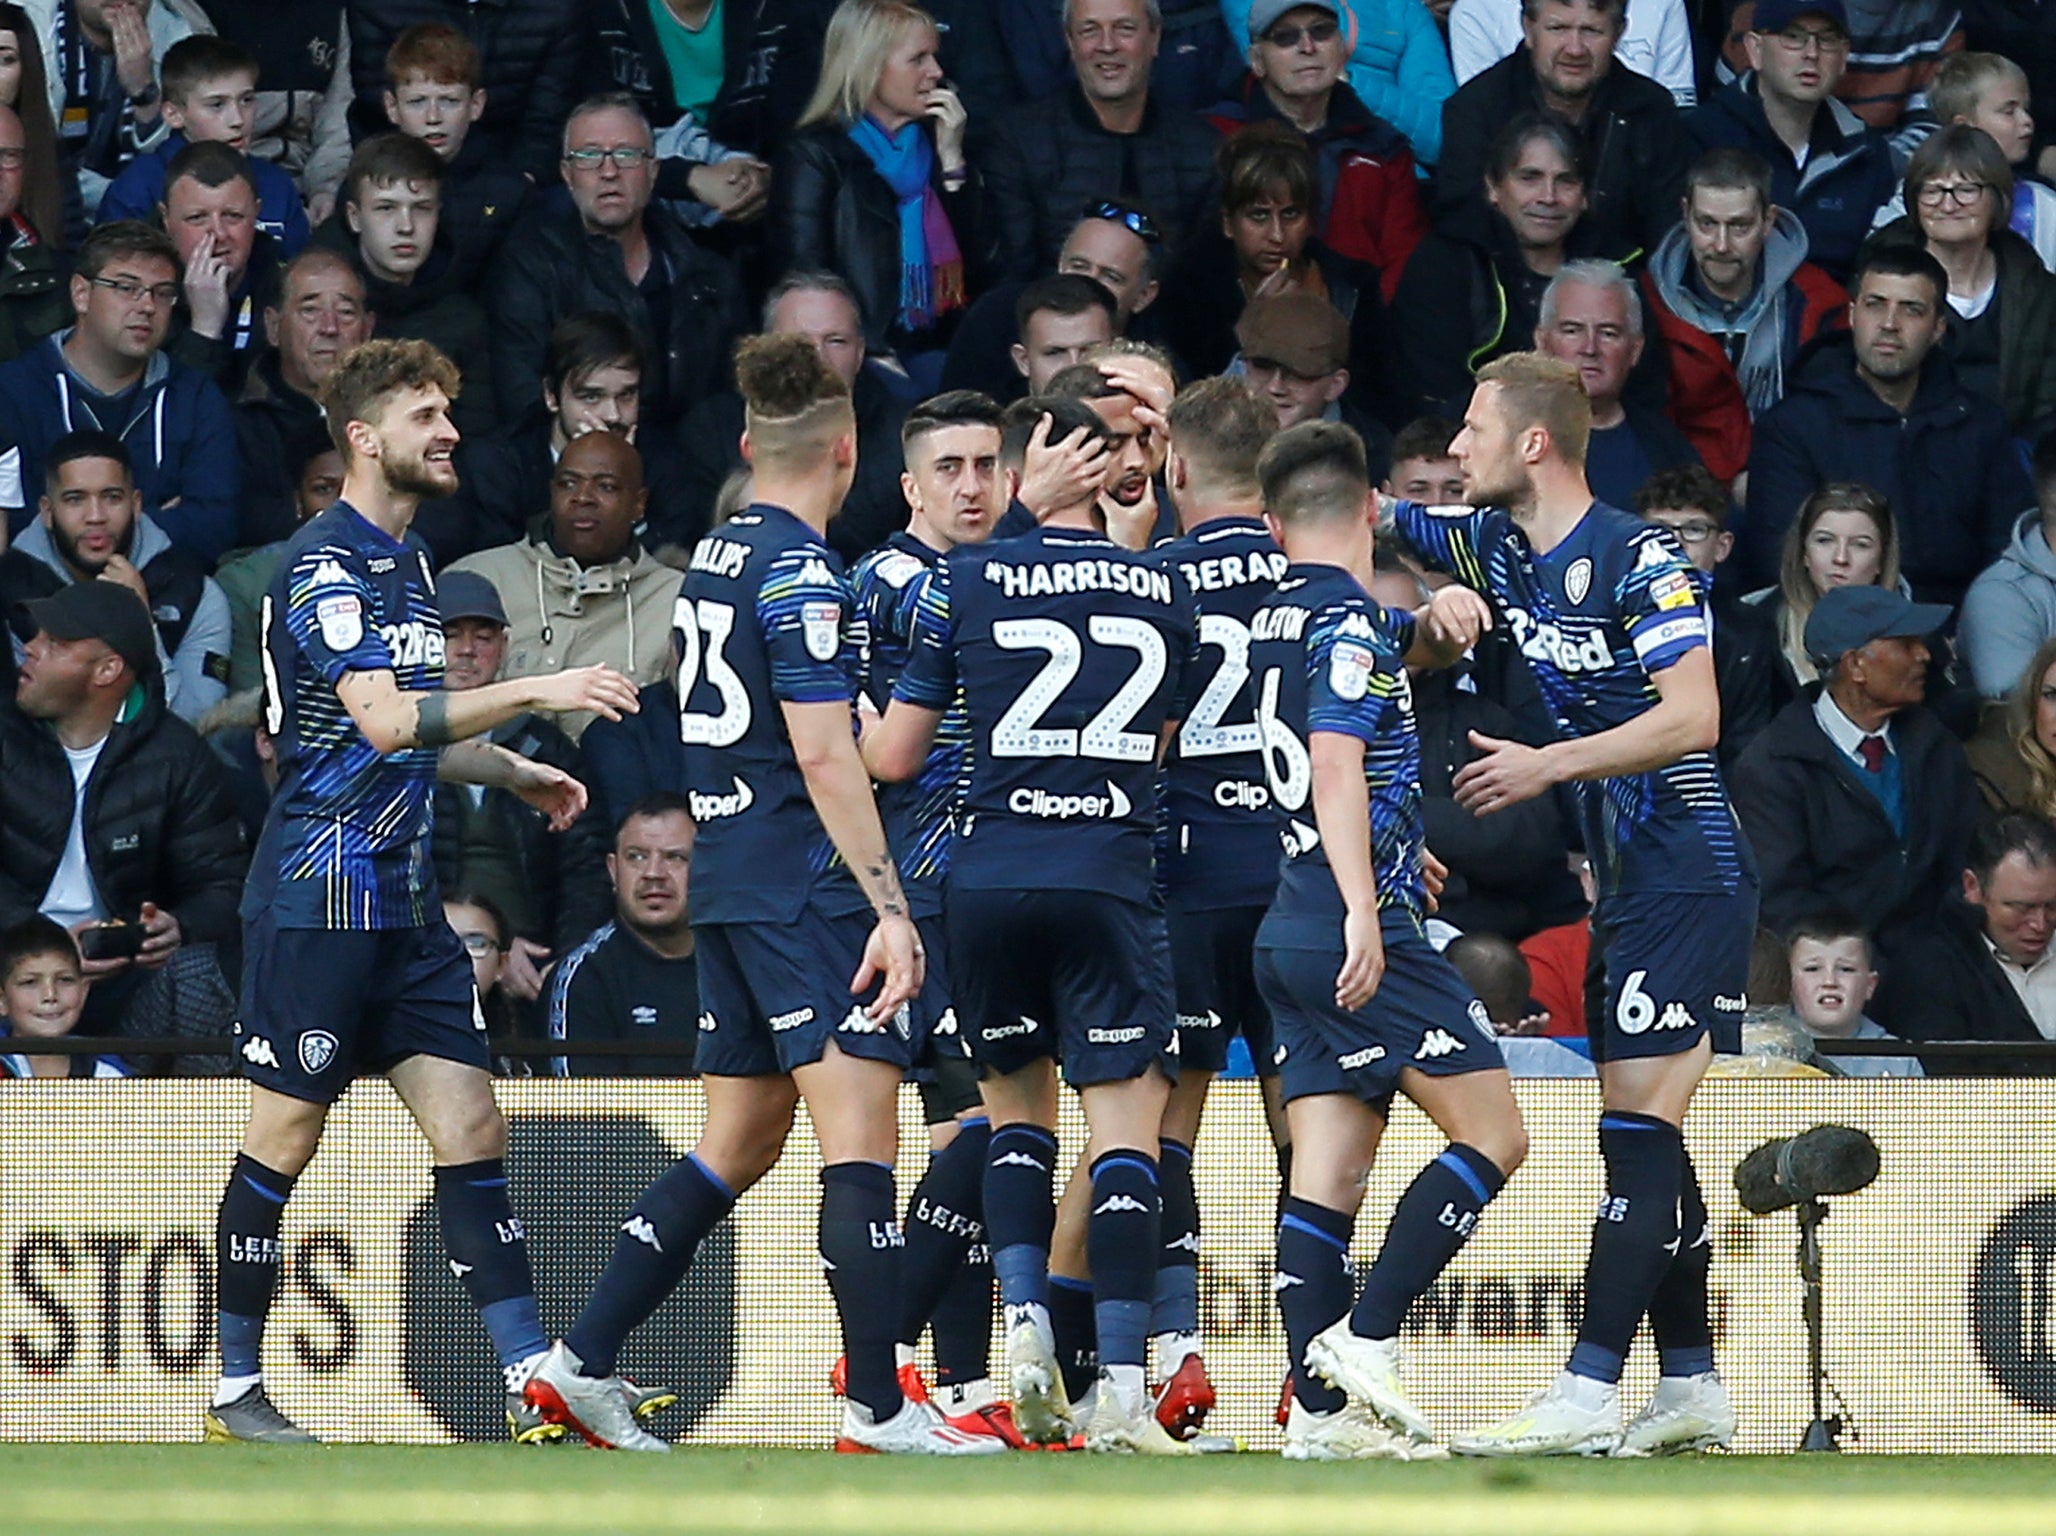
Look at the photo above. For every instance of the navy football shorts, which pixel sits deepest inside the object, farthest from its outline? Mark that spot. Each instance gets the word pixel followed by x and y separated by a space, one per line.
pixel 323 1005
pixel 1422 1016
pixel 943 1069
pixel 1079 976
pixel 1667 971
pixel 1213 963
pixel 772 995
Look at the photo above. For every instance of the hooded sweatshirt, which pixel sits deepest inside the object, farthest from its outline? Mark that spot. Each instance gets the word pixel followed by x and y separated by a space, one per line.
pixel 176 424
pixel 2010 610
pixel 561 614
pixel 191 612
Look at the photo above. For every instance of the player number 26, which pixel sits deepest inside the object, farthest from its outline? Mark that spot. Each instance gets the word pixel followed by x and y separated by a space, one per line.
pixel 1106 735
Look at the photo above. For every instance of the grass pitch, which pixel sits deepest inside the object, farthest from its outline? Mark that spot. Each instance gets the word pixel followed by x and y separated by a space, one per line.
pixel 398 1491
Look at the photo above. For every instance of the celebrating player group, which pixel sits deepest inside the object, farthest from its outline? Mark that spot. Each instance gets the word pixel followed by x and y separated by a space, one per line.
pixel 1040 791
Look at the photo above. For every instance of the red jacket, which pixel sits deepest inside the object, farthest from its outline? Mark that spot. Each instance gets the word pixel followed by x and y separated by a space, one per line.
pixel 1370 192
pixel 1706 402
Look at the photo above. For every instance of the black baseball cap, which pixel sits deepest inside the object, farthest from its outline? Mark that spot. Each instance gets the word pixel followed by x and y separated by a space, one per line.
pixel 100 610
pixel 1848 618
pixel 468 595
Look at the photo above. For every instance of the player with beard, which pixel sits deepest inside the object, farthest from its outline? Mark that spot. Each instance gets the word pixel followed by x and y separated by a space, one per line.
pixel 349 964
pixel 1066 652
pixel 1606 610
pixel 955 493
pixel 799 909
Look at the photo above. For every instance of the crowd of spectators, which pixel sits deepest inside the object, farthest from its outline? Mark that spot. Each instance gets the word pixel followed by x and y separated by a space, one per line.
pixel 1802 253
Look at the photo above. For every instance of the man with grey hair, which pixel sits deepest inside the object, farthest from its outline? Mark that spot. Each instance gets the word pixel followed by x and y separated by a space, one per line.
pixel 821 307
pixel 1100 137
pixel 1592 319
pixel 614 251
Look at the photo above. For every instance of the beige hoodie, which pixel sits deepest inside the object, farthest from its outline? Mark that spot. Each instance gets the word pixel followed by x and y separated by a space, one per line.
pixel 561 614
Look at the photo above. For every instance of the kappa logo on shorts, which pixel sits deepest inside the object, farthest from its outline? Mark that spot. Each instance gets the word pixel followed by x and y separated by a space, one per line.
pixel 856 1022
pixel 947 1024
pixel 1675 1016
pixel 1436 1043
pixel 708 1024
pixel 258 1051
pixel 317 1049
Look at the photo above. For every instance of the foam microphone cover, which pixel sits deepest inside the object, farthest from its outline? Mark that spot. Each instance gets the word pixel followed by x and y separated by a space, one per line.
pixel 1827 1160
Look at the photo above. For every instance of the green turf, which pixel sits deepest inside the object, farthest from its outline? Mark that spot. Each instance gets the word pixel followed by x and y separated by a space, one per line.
pixel 395 1491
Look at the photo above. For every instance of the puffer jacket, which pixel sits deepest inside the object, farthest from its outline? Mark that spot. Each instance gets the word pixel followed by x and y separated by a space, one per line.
pixel 2009 610
pixel 1709 401
pixel 532 67
pixel 160 824
pixel 832 211
pixel 561 614
pixel 552 268
pixel 1048 161
pixel 35 300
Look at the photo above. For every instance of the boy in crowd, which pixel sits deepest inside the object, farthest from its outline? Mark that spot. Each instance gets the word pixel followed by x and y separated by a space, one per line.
pixel 42 994
pixel 1833 978
pixel 432 94
pixel 210 97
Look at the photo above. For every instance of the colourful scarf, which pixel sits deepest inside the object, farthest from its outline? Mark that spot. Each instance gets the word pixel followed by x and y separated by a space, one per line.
pixel 931 265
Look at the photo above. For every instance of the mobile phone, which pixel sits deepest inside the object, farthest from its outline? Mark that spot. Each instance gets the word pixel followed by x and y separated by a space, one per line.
pixel 111 941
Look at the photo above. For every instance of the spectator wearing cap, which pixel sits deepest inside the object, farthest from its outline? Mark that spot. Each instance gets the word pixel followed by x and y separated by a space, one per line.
pixel 581 588
pixel 115 811
pixel 92 528
pixel 1398 62
pixel 550 885
pixel 1369 205
pixel 1856 796
pixel 1828 167
pixel 1630 136
pixel 1295 353
pixel 1592 319
pixel 1983 970
pixel 1100 137
pixel 1116 247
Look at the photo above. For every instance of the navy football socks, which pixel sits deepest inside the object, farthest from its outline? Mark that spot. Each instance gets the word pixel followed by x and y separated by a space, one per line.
pixel 1433 1219
pixel 1678 1313
pixel 1121 1238
pixel 1020 1211
pixel 944 1221
pixel 489 1253
pixel 1638 1220
pixel 1175 1307
pixel 246 1260
pixel 1313 1286
pixel 651 1255
pixel 860 1247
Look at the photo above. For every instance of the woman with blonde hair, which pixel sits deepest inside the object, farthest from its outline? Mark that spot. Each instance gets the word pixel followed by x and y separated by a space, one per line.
pixel 2013 754
pixel 1844 536
pixel 874 185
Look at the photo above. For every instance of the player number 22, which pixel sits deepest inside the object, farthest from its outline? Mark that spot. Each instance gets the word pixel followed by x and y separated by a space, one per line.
pixel 716 621
pixel 1106 734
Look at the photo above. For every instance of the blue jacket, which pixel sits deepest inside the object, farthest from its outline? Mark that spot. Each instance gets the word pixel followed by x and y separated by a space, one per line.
pixel 1953 475
pixel 1847 178
pixel 1400 66
pixel 178 430
pixel 137 191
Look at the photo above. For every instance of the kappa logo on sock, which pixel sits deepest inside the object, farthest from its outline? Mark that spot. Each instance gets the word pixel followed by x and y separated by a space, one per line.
pixel 459 1268
pixel 1283 1282
pixel 317 1049
pixel 1436 1043
pixel 639 1228
pixel 1019 1160
pixel 258 1050
pixel 1118 1202
pixel 1185 1243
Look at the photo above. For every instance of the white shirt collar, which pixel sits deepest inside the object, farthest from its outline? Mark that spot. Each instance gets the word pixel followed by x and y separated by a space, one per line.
pixel 1845 733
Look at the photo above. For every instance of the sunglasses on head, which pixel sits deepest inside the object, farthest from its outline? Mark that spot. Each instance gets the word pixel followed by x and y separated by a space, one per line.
pixel 1136 222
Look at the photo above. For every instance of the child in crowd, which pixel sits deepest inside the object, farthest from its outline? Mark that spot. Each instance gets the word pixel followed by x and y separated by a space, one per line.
pixel 1833 977
pixel 42 994
pixel 432 94
pixel 210 96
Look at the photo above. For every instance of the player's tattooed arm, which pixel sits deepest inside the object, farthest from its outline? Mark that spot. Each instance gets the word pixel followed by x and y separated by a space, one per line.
pixel 432 720
pixel 394 721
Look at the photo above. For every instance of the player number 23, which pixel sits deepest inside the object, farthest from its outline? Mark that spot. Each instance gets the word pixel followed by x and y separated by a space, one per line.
pixel 1106 734
pixel 694 620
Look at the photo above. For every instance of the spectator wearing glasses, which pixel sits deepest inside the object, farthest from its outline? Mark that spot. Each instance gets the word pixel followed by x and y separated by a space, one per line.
pixel 614 251
pixel 1398 62
pixel 1369 204
pixel 109 371
pixel 1692 504
pixel 1100 137
pixel 1734 299
pixel 1117 247
pixel 880 148
pixel 1828 167
pixel 1987 91
pixel 2001 330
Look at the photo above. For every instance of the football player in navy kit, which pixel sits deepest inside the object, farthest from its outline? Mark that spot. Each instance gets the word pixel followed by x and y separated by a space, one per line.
pixel 955 494
pixel 349 966
pixel 1364 1005
pixel 1218 855
pixel 1069 652
pixel 798 910
pixel 1605 609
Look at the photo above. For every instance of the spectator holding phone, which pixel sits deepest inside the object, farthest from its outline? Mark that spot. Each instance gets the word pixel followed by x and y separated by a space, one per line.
pixel 117 823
